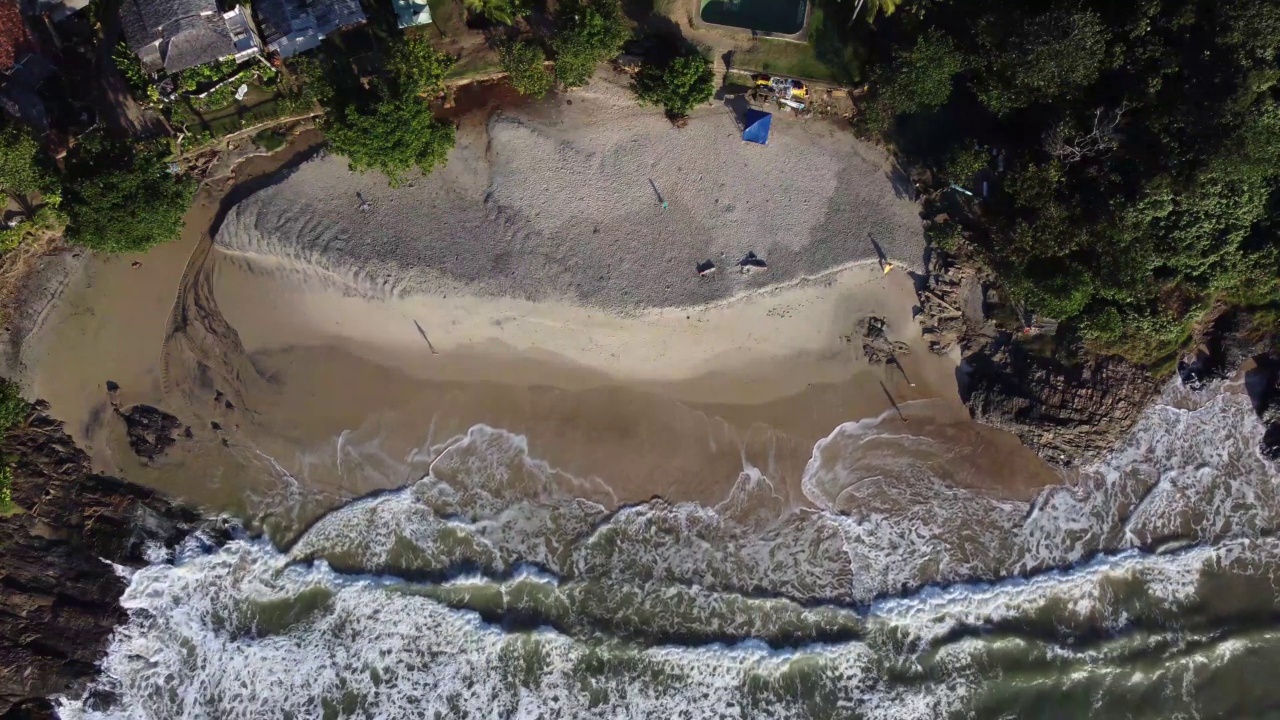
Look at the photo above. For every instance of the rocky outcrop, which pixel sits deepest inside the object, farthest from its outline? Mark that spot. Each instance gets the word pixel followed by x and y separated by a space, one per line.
pixel 1233 340
pixel 1067 413
pixel 59 597
pixel 151 430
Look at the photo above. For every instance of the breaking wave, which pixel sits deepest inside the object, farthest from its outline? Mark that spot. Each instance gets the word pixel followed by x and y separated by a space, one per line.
pixel 499 586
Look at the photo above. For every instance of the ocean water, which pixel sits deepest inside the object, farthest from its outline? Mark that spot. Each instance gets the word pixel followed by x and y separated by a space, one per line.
pixel 497 586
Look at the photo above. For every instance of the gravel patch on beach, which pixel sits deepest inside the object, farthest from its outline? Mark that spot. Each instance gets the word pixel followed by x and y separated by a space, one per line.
pixel 565 202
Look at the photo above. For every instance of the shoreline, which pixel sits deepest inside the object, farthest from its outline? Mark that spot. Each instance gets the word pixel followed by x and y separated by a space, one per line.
pixel 668 401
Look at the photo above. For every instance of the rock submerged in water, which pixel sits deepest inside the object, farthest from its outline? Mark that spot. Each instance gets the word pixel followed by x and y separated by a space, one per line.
pixel 151 430
pixel 59 601
pixel 1067 414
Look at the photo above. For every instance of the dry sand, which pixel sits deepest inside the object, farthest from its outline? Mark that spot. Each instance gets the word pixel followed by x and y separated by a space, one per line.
pixel 536 285
pixel 562 202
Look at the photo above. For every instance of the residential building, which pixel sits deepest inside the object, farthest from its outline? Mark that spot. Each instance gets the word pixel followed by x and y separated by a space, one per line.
pixel 22 68
pixel 173 35
pixel 411 12
pixel 293 26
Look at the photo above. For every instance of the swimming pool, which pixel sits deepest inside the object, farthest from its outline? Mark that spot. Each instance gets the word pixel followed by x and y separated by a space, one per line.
pixel 780 17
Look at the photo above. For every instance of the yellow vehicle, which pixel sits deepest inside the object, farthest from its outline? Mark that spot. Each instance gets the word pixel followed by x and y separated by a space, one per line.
pixel 762 80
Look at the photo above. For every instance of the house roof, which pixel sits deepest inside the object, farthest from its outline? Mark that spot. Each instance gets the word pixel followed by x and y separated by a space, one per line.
pixel 15 39
pixel 292 26
pixel 175 34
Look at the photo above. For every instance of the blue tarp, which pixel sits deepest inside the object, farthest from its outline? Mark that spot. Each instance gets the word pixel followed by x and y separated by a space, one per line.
pixel 756 128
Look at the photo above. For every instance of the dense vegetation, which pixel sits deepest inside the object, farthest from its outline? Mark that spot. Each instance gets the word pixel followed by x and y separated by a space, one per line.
pixel 678 84
pixel 23 165
pixel 13 412
pixel 525 63
pixel 122 197
pixel 1140 147
pixel 499 11
pixel 387 127
pixel 587 33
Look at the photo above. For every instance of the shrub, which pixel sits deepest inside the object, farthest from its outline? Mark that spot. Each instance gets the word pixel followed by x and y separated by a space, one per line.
pixel 525 63
pixel 587 33
pixel 499 11
pixel 679 85
pixel 397 135
pixel 416 67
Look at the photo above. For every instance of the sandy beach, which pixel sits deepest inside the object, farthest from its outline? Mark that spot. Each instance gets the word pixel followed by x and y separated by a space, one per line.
pixel 536 284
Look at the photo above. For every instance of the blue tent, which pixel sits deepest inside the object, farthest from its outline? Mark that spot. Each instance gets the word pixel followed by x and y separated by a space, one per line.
pixel 756 129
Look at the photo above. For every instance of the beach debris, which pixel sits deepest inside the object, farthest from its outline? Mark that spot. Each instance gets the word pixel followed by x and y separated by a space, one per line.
pixel 752 263
pixel 876 345
pixel 706 268
pixel 215 426
pixel 135 264
pixel 423 333
pixel 365 205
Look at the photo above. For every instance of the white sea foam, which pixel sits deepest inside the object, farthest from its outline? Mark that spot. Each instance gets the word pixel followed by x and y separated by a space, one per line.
pixel 210 634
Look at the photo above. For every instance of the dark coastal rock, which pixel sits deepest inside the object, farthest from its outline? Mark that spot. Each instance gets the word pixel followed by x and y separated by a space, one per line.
pixel 1067 413
pixel 151 430
pixel 59 600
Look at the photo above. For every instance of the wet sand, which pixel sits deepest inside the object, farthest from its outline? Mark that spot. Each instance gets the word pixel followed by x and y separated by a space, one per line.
pixel 333 394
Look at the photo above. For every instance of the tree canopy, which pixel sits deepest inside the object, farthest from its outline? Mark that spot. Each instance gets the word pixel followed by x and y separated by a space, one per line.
pixel 587 33
pixel 393 138
pixel 416 67
pixel 525 62
pixel 678 85
pixel 1139 145
pixel 388 127
pixel 123 198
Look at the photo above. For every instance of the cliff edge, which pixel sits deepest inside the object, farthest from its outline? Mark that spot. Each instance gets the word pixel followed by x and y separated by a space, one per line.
pixel 59 592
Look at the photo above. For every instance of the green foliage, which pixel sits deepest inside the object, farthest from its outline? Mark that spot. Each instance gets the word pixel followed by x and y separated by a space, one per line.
pixel 398 134
pixel 1048 56
pixel 22 162
pixel 964 163
pixel 919 80
pixel 6 486
pixel 131 68
pixel 1141 145
pixel 47 219
pixel 587 33
pixel 499 11
pixel 525 62
pixel 123 198
pixel 418 68
pixel 679 85
pixel 13 408
pixel 202 76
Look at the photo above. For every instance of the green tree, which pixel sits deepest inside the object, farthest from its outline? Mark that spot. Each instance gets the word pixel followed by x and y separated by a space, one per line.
pixel 525 62
pixel 1045 57
pixel 919 80
pixel 416 67
pixel 964 163
pixel 398 134
pixel 499 11
pixel 22 171
pixel 679 85
pixel 587 33
pixel 123 198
